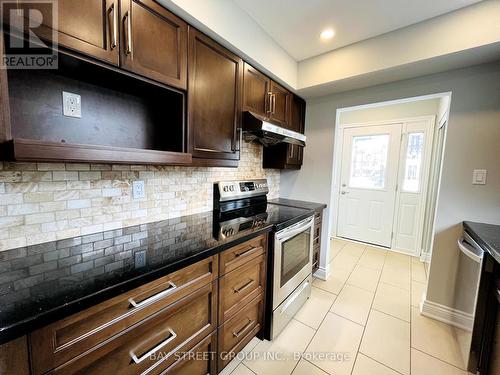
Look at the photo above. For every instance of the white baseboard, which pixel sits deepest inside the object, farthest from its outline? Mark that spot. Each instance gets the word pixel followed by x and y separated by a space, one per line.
pixel 447 315
pixel 323 273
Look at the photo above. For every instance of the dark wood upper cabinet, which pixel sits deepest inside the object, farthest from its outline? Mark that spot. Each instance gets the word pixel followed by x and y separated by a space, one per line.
pixel 256 94
pixel 266 98
pixel 281 101
pixel 298 114
pixel 154 42
pixel 284 155
pixel 87 26
pixel 214 99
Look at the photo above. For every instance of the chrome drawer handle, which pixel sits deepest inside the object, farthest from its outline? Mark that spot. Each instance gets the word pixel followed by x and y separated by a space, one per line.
pixel 244 252
pixel 154 298
pixel 240 332
pixel 172 336
pixel 243 287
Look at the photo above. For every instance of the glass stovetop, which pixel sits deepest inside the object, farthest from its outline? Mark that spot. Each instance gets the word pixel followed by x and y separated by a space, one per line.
pixel 263 213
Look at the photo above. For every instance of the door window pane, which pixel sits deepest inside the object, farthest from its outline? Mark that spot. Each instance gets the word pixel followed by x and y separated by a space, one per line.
pixel 413 162
pixel 369 161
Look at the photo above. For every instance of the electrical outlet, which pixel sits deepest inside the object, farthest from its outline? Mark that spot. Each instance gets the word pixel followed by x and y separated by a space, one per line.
pixel 140 259
pixel 138 190
pixel 72 104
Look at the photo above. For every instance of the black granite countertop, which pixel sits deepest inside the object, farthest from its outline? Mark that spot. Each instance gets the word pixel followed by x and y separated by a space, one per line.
pixel 43 283
pixel 298 204
pixel 486 235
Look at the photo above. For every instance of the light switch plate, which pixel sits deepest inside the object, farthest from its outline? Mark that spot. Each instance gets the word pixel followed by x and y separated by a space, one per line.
pixel 479 177
pixel 138 189
pixel 72 104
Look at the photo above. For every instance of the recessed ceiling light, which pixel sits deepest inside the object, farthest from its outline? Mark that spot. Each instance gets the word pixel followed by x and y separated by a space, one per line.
pixel 327 34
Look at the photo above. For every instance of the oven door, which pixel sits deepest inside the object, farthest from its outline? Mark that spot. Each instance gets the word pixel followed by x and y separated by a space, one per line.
pixel 292 258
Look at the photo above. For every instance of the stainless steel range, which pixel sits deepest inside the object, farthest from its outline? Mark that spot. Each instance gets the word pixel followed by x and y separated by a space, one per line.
pixel 240 204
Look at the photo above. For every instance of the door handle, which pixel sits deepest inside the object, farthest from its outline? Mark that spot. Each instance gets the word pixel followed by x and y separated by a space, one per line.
pixel 244 286
pixel 245 251
pixel 245 327
pixel 127 23
pixel 274 104
pixel 269 102
pixel 113 23
pixel 344 192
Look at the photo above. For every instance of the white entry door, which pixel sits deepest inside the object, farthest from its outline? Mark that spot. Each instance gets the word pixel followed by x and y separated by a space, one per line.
pixel 369 173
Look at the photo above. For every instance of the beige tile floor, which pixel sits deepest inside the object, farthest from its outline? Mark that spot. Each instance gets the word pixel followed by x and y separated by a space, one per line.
pixel 367 314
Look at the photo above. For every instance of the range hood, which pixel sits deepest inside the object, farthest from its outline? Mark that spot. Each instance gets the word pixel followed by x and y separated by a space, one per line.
pixel 257 128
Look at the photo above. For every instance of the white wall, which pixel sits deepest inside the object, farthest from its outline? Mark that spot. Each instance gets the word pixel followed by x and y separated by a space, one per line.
pixel 468 36
pixel 473 142
pixel 424 107
pixel 227 23
pixel 413 50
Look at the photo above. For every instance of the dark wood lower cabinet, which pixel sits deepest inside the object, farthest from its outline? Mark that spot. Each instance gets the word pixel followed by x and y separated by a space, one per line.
pixel 239 330
pixel 60 342
pixel 201 360
pixel 240 286
pixel 14 358
pixel 153 344
pixel 197 328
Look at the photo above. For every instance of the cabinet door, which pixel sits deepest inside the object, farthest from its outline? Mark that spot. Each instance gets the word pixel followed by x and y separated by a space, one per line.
pixel 298 114
pixel 256 91
pixel 87 26
pixel 154 42
pixel 280 105
pixel 214 99
pixel 295 153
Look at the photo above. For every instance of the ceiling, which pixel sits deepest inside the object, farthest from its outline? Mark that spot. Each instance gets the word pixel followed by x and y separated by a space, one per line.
pixel 296 24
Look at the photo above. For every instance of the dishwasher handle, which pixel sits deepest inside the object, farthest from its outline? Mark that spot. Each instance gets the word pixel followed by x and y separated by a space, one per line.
pixel 473 253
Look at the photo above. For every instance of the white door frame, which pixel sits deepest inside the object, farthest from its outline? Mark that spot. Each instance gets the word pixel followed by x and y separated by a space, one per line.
pixel 338 140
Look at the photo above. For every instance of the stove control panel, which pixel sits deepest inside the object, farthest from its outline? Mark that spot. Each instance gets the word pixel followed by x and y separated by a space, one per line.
pixel 231 190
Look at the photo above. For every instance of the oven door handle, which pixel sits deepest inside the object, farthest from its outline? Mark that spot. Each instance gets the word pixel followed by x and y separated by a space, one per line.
pixel 291 232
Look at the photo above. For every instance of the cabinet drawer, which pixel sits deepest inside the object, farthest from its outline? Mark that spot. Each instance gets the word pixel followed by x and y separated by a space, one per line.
pixel 242 253
pixel 154 344
pixel 240 286
pixel 63 340
pixel 239 330
pixel 201 360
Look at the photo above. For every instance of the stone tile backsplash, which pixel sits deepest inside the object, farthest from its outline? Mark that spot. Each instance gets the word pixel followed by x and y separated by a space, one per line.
pixel 42 202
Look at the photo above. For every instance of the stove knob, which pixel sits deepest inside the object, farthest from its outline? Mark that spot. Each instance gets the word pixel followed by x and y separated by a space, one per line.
pixel 225 188
pixel 231 188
